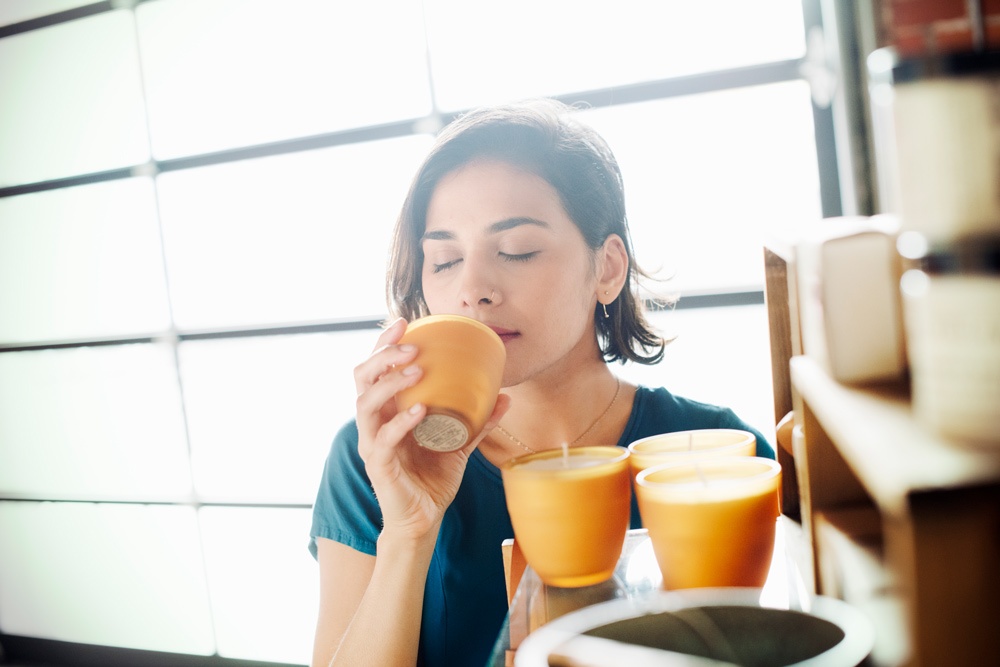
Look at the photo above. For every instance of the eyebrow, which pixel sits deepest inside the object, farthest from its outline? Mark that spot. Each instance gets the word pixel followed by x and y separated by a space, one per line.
pixel 495 228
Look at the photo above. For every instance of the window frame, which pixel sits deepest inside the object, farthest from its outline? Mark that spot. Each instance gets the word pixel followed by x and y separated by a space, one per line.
pixel 831 190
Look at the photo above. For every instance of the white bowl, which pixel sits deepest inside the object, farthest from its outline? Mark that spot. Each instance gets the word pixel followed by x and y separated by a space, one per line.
pixel 705 626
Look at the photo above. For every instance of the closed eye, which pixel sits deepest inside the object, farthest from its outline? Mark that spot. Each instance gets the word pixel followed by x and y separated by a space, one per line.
pixel 438 268
pixel 521 257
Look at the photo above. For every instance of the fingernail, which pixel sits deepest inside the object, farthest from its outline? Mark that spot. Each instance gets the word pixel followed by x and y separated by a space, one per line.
pixel 411 370
pixel 417 407
pixel 406 347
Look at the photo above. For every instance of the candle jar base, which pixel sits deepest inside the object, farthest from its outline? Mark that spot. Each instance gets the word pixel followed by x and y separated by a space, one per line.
pixel 442 431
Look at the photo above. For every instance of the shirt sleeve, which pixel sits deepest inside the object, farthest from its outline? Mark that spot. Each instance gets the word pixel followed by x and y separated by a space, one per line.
pixel 729 419
pixel 346 509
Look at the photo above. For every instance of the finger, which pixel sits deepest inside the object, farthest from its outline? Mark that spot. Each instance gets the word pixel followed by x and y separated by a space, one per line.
pixel 392 433
pixel 499 410
pixel 381 362
pixel 391 334
pixel 389 337
pixel 371 400
pixel 385 355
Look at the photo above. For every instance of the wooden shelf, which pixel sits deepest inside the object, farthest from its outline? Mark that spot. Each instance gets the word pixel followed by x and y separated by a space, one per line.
pixel 938 508
pixel 852 568
pixel 903 522
pixel 876 433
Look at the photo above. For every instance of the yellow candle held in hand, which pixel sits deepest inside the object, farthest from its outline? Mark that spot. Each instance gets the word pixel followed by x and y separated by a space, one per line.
pixel 462 362
pixel 711 521
pixel 570 512
pixel 683 445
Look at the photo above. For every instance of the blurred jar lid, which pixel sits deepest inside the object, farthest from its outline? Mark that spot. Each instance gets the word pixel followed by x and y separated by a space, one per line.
pixel 973 254
pixel 886 66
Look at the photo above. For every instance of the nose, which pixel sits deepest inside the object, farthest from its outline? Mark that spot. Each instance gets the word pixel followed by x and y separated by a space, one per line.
pixel 478 287
pixel 482 296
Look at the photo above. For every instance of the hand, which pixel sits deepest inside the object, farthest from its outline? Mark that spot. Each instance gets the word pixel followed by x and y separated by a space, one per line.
pixel 414 485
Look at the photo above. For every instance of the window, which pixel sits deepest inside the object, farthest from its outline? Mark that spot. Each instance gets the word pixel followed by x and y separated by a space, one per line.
pixel 195 207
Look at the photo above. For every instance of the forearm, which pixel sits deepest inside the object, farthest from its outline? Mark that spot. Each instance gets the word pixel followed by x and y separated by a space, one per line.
pixel 385 629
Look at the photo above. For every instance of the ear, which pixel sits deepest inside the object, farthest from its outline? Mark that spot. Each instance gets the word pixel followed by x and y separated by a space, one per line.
pixel 612 269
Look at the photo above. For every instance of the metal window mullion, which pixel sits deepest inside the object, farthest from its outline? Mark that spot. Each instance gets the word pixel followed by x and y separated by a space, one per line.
pixel 694 84
pixel 332 326
pixel 57 18
pixel 161 501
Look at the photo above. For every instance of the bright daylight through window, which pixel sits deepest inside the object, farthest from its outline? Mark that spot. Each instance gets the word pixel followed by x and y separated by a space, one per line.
pixel 196 199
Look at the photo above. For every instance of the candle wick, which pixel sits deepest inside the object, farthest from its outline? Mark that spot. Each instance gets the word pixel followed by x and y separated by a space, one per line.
pixel 690 441
pixel 701 475
pixel 565 455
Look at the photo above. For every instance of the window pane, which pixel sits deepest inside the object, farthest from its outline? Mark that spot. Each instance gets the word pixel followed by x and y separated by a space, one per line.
pixel 92 422
pixel 709 177
pixel 51 119
pixel 225 73
pixel 116 575
pixel 81 262
pixel 263 411
pixel 559 46
pixel 15 11
pixel 293 238
pixel 720 356
pixel 263 582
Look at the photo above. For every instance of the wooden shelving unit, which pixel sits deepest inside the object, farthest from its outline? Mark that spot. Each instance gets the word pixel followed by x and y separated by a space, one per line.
pixel 939 507
pixel 901 522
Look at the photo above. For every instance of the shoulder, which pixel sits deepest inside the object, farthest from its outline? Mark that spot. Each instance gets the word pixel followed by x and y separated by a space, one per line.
pixel 657 410
pixel 343 460
pixel 345 442
pixel 658 404
pixel 346 509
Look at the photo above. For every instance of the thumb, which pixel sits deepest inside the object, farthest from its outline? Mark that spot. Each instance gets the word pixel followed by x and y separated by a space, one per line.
pixel 499 410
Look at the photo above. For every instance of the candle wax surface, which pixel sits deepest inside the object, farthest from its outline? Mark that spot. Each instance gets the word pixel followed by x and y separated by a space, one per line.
pixel 563 463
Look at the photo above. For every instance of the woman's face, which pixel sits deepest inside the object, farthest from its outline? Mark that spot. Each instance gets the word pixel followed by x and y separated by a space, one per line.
pixel 500 248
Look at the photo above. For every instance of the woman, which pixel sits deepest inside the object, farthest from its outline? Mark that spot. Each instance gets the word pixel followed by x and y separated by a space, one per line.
pixel 516 219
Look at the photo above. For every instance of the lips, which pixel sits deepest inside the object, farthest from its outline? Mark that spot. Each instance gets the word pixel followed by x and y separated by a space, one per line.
pixel 506 335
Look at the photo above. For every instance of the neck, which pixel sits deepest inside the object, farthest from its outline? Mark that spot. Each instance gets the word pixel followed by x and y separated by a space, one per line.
pixel 547 412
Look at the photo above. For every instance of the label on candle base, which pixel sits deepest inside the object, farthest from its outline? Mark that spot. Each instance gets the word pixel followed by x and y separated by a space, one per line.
pixel 441 433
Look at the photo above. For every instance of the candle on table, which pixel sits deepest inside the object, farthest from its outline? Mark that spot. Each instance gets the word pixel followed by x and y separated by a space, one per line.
pixel 570 512
pixel 683 445
pixel 711 521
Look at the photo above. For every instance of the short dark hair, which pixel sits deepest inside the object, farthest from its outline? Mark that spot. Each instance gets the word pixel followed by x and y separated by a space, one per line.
pixel 544 138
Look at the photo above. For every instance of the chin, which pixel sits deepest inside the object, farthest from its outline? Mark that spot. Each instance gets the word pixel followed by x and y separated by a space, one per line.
pixel 512 377
pixel 507 383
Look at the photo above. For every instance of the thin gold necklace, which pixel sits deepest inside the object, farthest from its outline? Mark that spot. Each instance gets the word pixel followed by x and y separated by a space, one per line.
pixel 597 421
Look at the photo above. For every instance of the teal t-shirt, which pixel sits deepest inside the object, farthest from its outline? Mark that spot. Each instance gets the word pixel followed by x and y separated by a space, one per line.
pixel 465 600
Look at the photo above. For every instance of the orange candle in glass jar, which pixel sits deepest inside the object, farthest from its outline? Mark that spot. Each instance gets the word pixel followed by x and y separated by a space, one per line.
pixel 711 521
pixel 462 362
pixel 684 445
pixel 570 512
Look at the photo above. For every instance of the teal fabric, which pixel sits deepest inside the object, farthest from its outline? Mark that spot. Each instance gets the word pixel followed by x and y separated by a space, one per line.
pixel 465 600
